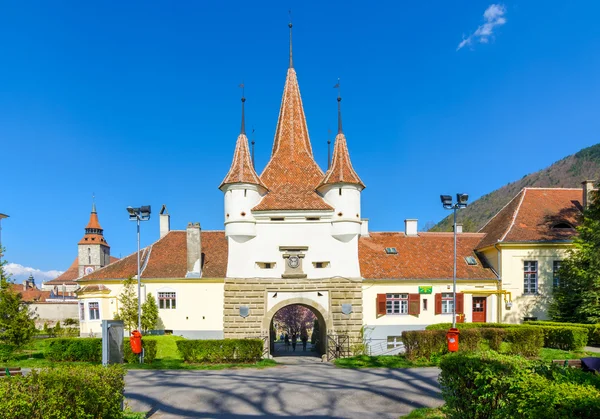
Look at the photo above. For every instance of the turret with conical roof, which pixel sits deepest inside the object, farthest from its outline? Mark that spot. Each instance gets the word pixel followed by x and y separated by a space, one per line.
pixel 93 250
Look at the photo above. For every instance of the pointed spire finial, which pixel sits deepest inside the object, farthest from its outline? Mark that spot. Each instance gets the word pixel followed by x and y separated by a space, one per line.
pixel 339 100
pixel 290 26
pixel 253 165
pixel 93 202
pixel 243 130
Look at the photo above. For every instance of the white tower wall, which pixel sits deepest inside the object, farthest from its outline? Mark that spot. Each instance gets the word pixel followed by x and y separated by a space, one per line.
pixel 240 198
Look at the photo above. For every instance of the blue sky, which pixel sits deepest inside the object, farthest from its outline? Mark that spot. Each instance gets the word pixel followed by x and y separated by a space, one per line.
pixel 138 102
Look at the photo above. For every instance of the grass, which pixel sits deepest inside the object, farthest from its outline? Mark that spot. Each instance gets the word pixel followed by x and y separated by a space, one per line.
pixel 167 358
pixel 425 413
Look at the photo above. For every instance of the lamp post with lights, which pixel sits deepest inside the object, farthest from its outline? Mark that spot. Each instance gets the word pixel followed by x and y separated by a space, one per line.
pixel 2 216
pixel 461 202
pixel 139 214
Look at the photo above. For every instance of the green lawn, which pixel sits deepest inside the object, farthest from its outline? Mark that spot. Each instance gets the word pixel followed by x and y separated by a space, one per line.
pixel 167 357
pixel 425 413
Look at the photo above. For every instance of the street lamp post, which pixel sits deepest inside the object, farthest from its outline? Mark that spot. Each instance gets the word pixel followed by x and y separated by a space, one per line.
pixel 2 216
pixel 461 202
pixel 139 214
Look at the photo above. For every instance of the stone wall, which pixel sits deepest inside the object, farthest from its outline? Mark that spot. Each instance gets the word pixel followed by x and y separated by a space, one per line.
pixel 252 292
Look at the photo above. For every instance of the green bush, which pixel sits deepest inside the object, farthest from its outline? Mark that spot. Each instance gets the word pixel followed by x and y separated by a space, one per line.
pixel 565 338
pixel 469 340
pixel 150 347
pixel 494 337
pixel 424 343
pixel 63 393
pixel 490 385
pixel 593 329
pixel 74 349
pixel 526 341
pixel 220 351
pixel 462 326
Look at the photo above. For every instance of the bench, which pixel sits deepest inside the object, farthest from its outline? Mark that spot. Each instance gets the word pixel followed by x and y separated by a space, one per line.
pixel 4 372
pixel 573 363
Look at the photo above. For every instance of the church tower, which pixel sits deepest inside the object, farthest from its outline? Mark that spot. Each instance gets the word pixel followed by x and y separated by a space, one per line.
pixel 93 250
pixel 341 188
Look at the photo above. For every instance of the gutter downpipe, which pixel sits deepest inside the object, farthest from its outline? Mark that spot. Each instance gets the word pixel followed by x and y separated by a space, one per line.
pixel 499 270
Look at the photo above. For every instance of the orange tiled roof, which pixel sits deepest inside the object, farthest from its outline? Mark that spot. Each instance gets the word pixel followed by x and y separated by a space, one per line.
pixel 426 256
pixel 242 170
pixel 292 175
pixel 341 169
pixel 93 231
pixel 69 276
pixel 167 258
pixel 30 295
pixel 532 214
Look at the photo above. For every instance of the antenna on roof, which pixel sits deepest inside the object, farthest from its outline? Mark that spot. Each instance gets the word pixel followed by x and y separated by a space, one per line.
pixel 328 148
pixel 243 130
pixel 253 148
pixel 290 26
pixel 339 100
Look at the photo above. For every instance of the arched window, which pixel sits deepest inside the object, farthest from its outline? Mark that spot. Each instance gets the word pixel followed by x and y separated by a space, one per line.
pixel 89 256
pixel 562 226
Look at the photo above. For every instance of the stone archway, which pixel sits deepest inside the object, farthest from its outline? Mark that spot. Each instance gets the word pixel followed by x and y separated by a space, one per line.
pixel 323 317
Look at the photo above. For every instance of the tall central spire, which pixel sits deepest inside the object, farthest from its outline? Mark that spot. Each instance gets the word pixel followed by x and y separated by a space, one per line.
pixel 291 60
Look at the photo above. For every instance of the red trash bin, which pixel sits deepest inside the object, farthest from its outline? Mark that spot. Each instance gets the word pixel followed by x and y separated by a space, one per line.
pixel 452 339
pixel 135 340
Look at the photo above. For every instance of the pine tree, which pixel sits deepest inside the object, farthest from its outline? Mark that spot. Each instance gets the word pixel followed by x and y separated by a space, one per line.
pixel 17 321
pixel 128 305
pixel 149 313
pixel 577 298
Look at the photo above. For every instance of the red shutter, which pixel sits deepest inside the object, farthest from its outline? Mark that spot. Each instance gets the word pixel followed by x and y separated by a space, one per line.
pixel 381 307
pixel 414 304
pixel 438 303
pixel 460 303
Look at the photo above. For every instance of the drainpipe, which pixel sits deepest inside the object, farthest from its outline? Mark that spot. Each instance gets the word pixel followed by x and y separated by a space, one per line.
pixel 499 270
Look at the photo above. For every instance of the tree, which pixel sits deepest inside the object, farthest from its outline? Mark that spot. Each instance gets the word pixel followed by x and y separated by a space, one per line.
pixel 294 319
pixel 149 313
pixel 17 321
pixel 577 297
pixel 128 305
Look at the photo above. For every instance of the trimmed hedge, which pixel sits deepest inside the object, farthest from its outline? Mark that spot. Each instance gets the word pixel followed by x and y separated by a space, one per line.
pixel 526 341
pixel 461 326
pixel 490 385
pixel 424 343
pixel 593 329
pixel 74 349
pixel 150 347
pixel 64 393
pixel 220 351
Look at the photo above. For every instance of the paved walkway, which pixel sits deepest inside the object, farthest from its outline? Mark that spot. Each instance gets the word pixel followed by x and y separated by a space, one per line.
pixel 591 349
pixel 311 390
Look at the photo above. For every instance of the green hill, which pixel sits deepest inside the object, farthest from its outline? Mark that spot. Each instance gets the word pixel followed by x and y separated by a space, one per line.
pixel 566 173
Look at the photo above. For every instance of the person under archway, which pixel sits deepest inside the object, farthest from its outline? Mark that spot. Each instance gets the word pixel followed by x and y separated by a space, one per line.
pixel 294 341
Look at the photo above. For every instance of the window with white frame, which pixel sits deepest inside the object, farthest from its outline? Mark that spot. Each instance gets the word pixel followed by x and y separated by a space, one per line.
pixel 447 303
pixel 394 342
pixel 81 311
pixel 555 277
pixel 396 303
pixel 167 300
pixel 94 308
pixel 530 284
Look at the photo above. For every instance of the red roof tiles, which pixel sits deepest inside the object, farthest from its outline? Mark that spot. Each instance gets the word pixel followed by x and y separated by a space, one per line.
pixel 242 170
pixel 426 256
pixel 292 175
pixel 30 295
pixel 341 170
pixel 532 216
pixel 93 231
pixel 69 276
pixel 167 258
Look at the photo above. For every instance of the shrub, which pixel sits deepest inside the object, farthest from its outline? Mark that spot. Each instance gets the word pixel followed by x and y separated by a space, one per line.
pixel 424 343
pixel 462 326
pixel 74 349
pixel 64 393
pixel 220 351
pixel 526 341
pixel 565 338
pixel 494 337
pixel 150 347
pixel 593 329
pixel 469 340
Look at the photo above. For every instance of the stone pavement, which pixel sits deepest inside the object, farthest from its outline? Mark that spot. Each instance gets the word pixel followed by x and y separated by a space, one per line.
pixel 309 389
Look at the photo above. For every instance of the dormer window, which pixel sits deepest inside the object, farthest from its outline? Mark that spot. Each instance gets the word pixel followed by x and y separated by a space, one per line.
pixel 391 251
pixel 562 226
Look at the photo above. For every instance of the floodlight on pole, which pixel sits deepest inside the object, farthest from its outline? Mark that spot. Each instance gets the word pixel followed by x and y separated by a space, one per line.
pixel 461 202
pixel 139 214
pixel 2 216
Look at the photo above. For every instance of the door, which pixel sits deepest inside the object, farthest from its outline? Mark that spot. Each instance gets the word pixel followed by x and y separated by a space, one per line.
pixel 479 309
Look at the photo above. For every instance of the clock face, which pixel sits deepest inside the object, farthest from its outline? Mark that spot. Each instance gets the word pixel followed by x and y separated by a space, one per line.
pixel 293 262
pixel 88 270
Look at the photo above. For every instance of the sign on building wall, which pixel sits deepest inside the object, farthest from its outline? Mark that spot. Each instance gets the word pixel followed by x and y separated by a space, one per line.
pixel 425 290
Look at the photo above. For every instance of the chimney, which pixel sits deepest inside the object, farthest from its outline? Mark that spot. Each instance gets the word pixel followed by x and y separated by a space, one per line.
pixel 194 251
pixel 165 221
pixel 410 227
pixel 364 227
pixel 588 186
pixel 458 228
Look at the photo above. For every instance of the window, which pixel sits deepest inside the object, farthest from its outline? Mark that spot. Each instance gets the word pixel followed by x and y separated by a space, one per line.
pixel 265 265
pixel 530 268
pixel 424 304
pixel 471 260
pixel 89 257
pixel 447 303
pixel 320 265
pixel 277 218
pixel 555 277
pixel 394 342
pixel 81 311
pixel 396 303
pixel 94 311
pixel 391 251
pixel 167 300
pixel 340 191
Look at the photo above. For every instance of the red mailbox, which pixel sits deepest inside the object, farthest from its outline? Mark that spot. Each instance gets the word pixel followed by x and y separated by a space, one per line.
pixel 135 340
pixel 452 338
